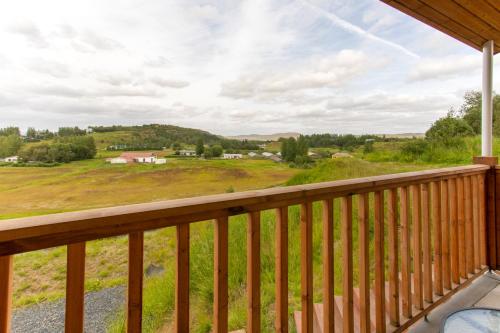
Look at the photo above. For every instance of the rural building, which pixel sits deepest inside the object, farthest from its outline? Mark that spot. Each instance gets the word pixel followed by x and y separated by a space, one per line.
pixel 184 152
pixel 252 154
pixel 341 155
pixel 232 156
pixel 11 159
pixel 267 154
pixel 161 161
pixel 116 160
pixel 139 157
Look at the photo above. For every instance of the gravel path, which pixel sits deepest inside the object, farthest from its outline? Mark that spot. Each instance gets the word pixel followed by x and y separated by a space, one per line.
pixel 48 317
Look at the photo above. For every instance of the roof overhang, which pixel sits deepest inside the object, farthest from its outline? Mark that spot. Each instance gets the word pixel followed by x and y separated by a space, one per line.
pixel 473 22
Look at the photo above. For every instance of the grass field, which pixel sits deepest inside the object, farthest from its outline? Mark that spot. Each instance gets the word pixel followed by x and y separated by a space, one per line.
pixel 41 275
pixel 89 184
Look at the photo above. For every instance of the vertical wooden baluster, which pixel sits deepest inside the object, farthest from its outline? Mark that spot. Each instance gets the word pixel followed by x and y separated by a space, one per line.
pixel 417 247
pixel 328 296
pixel 220 275
pixel 482 220
pixel 347 266
pixel 438 237
pixel 405 253
pixel 182 279
pixel 475 220
pixel 306 269
pixel 75 283
pixel 454 252
pixel 379 263
pixel 426 243
pixel 281 323
pixel 135 275
pixel 393 257
pixel 461 228
pixel 445 229
pixel 6 274
pixel 253 272
pixel 469 232
pixel 364 262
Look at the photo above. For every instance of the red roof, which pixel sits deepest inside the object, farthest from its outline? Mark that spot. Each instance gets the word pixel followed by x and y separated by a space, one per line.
pixel 131 155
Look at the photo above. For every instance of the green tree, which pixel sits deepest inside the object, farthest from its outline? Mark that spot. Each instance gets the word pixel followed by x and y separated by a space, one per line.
pixel 10 145
pixel 302 146
pixel 10 131
pixel 289 149
pixel 447 129
pixel 200 149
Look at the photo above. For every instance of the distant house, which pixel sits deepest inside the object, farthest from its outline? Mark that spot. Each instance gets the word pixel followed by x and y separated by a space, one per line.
pixel 267 154
pixel 137 157
pixel 117 160
pixel 341 155
pixel 252 154
pixel 184 152
pixel 311 154
pixel 11 159
pixel 232 156
pixel 161 161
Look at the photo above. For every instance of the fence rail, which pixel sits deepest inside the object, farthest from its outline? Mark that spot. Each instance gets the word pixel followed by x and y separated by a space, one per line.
pixel 431 223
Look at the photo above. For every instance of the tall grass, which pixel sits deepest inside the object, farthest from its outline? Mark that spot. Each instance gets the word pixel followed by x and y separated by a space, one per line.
pixel 159 291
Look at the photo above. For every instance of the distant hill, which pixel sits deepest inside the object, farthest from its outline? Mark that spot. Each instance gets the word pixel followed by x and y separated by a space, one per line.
pixel 264 137
pixel 403 135
pixel 158 136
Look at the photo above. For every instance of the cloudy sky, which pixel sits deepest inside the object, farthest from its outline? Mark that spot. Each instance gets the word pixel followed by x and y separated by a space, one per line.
pixel 228 66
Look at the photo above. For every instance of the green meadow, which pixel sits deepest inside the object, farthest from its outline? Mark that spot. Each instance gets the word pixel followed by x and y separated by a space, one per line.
pixel 40 275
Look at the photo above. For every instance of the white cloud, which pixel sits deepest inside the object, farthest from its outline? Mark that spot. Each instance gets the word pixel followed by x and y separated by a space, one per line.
pixel 162 82
pixel 30 32
pixel 445 67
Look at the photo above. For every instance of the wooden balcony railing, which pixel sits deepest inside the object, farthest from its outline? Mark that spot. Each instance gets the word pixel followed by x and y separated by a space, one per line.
pixel 431 223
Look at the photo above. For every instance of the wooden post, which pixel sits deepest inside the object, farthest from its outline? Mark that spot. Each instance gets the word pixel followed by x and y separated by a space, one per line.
pixel 492 187
pixel 281 323
pixel 253 272
pixel 220 275
pixel 6 269
pixel 75 288
pixel 182 279
pixel 135 277
pixel 328 268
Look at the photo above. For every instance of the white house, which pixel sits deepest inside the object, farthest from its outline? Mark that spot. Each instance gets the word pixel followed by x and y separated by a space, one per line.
pixel 11 159
pixel 184 152
pixel 117 160
pixel 252 154
pixel 267 154
pixel 232 156
pixel 341 155
pixel 161 161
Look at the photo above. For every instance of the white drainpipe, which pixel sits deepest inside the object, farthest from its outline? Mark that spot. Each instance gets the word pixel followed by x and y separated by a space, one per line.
pixel 487 103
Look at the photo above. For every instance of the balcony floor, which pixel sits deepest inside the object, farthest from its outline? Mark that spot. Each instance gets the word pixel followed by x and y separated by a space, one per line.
pixel 483 292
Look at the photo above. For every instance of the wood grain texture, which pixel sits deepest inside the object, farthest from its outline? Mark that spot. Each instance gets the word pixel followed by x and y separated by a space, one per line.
pixel 253 272
pixel 281 322
pixel 75 282
pixel 347 265
pixel 406 301
pixel 6 277
pixel 418 299
pixel 426 243
pixel 221 275
pixel 135 279
pixel 364 262
pixel 461 228
pixel 393 249
pixel 306 268
pixel 475 221
pixel 482 220
pixel 38 232
pixel 469 230
pixel 380 325
pixel 437 235
pixel 454 251
pixel 445 229
pixel 182 279
pixel 328 268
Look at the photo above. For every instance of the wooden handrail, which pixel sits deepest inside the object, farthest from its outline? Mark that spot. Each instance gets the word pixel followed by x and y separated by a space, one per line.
pixel 38 232
pixel 442 236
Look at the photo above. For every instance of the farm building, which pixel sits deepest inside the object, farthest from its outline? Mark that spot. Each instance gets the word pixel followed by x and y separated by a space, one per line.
pixel 11 159
pixel 232 156
pixel 252 154
pixel 116 160
pixel 161 161
pixel 267 154
pixel 138 157
pixel 184 152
